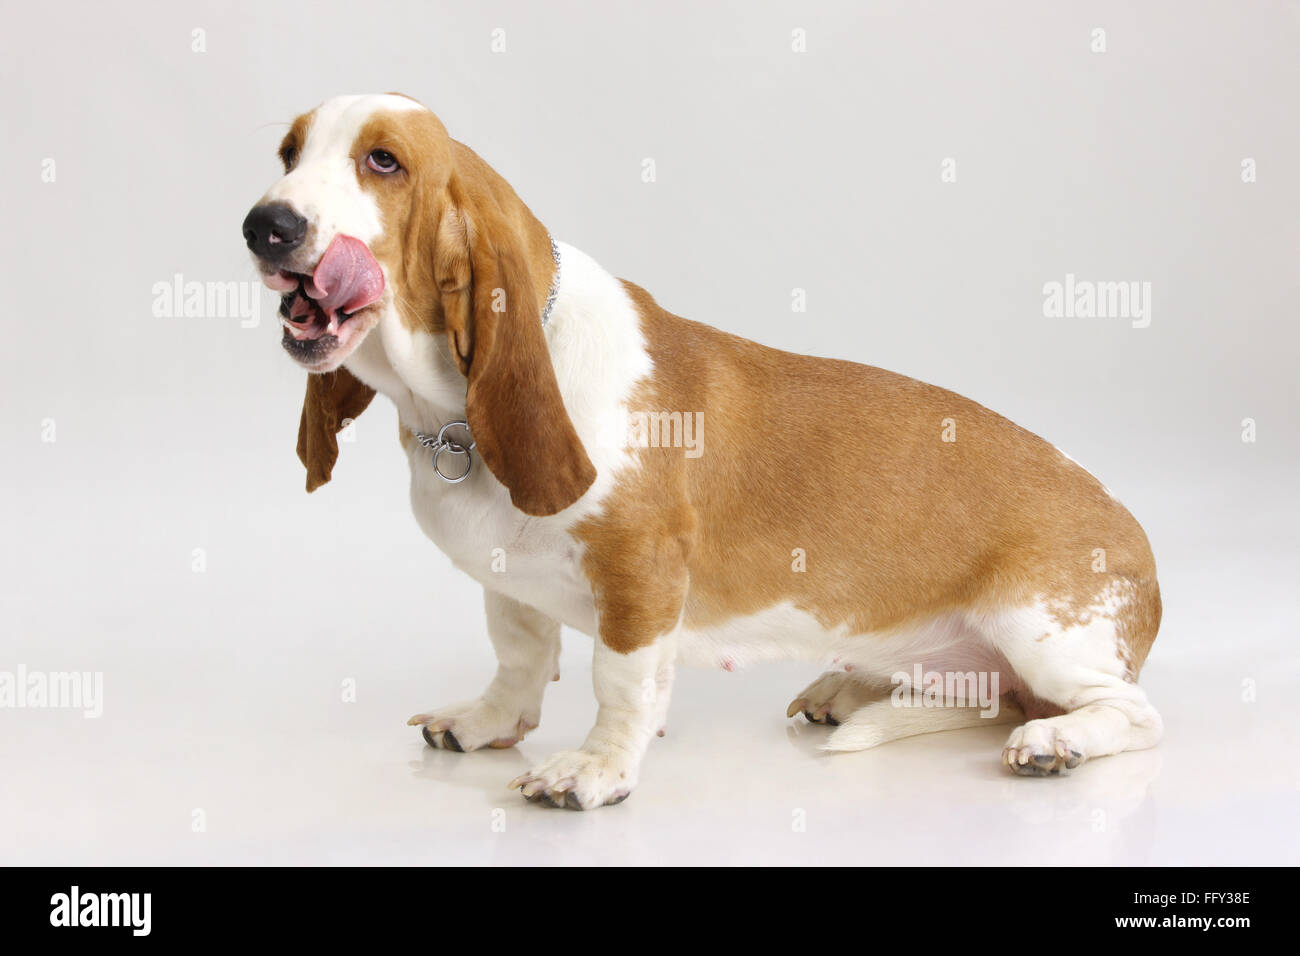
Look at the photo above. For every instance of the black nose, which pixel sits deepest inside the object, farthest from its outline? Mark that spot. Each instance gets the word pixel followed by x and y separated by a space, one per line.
pixel 273 230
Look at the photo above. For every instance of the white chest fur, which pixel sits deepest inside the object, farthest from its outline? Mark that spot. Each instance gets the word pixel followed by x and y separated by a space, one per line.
pixel 599 354
pixel 533 560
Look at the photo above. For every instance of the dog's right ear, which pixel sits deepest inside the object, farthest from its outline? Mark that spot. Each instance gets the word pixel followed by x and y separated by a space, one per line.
pixel 332 401
pixel 490 304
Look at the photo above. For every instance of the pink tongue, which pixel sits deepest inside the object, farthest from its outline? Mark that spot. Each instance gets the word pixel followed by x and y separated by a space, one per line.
pixel 347 277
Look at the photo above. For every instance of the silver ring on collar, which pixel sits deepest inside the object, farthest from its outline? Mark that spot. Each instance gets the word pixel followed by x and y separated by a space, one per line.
pixel 442 444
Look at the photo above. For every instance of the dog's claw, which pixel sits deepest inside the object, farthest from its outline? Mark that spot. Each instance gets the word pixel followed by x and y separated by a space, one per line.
pixel 579 780
pixel 449 741
pixel 1023 761
pixel 819 715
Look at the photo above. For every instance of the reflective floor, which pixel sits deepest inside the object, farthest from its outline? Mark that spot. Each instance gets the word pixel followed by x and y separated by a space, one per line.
pixel 249 717
pixel 217 746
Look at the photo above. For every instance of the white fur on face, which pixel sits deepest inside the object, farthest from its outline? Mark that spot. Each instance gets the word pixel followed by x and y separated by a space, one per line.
pixel 323 186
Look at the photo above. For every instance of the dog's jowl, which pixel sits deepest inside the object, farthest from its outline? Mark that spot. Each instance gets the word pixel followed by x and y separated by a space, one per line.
pixel 837 512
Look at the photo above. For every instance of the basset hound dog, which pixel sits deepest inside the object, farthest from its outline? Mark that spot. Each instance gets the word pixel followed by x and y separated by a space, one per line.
pixel 681 494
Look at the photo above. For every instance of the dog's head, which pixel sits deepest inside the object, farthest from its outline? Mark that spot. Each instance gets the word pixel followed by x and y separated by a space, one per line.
pixel 381 219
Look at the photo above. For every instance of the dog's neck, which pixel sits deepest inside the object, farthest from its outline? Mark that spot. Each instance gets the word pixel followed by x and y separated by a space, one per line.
pixel 592 333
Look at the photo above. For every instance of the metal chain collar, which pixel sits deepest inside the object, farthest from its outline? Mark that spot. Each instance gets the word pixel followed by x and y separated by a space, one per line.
pixel 555 285
pixel 441 443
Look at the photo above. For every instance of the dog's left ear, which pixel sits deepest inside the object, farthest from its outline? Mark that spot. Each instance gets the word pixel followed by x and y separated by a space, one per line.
pixel 332 401
pixel 490 303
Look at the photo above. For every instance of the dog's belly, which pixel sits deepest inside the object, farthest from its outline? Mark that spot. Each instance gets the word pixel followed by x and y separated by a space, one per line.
pixel 780 632
pixel 944 643
pixel 532 560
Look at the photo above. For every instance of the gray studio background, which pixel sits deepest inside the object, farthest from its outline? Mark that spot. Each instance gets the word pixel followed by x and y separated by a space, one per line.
pixel 776 170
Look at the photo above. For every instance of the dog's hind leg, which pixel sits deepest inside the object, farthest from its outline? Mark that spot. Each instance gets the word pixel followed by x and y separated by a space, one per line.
pixel 1084 664
pixel 831 698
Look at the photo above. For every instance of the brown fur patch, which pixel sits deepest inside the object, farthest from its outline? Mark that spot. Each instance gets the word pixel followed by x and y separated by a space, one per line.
pixel 293 140
pixel 847 463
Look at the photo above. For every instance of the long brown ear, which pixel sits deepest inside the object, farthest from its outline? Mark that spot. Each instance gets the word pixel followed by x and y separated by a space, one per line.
pixel 332 400
pixel 492 308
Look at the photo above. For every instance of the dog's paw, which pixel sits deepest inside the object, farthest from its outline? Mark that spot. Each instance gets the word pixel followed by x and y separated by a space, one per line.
pixel 831 698
pixel 578 780
pixel 472 726
pixel 1038 748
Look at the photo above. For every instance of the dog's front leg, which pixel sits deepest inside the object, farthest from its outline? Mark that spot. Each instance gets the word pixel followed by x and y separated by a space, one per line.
pixel 527 644
pixel 632 690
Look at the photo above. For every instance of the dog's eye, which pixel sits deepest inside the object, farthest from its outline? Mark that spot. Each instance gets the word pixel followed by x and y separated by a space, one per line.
pixel 382 161
pixel 289 156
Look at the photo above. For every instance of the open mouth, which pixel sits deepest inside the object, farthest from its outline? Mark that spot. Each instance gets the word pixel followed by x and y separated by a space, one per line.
pixel 305 319
pixel 318 309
